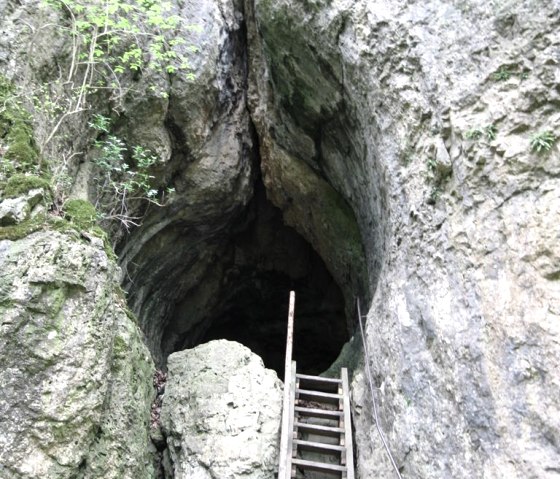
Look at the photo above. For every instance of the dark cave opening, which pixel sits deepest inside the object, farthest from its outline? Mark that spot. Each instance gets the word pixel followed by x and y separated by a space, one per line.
pixel 263 260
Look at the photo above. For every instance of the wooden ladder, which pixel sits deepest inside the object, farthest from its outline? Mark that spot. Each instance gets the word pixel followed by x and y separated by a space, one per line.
pixel 316 426
pixel 322 426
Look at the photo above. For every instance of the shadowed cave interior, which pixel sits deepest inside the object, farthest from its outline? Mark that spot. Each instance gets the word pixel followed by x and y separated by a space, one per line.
pixel 265 259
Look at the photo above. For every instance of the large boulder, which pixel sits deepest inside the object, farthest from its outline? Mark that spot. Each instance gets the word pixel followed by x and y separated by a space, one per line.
pixel 75 376
pixel 221 413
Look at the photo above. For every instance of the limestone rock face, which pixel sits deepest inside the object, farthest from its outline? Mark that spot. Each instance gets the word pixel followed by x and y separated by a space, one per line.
pixel 212 171
pixel 221 413
pixel 16 210
pixel 75 376
pixel 396 137
pixel 421 115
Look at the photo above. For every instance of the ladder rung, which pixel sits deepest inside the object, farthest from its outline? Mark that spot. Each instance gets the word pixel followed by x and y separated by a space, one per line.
pixel 319 446
pixel 318 466
pixel 318 429
pixel 318 383
pixel 322 413
pixel 319 379
pixel 318 396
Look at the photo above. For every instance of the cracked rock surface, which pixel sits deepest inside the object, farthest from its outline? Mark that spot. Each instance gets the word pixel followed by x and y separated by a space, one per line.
pixel 74 371
pixel 221 413
pixel 395 137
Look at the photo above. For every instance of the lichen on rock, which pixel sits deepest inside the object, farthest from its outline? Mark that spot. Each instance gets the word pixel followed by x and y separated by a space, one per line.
pixel 62 395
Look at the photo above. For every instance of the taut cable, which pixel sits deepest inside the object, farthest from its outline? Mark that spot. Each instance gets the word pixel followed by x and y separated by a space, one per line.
pixel 371 388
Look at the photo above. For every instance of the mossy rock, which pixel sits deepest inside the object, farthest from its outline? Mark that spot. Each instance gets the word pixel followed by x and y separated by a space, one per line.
pixel 20 184
pixel 80 212
pixel 16 130
pixel 21 145
pixel 25 228
pixel 22 154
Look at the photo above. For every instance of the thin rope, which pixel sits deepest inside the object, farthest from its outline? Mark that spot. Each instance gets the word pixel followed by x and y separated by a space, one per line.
pixel 371 388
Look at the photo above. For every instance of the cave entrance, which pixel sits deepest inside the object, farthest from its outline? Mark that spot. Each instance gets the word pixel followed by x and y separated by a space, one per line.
pixel 263 260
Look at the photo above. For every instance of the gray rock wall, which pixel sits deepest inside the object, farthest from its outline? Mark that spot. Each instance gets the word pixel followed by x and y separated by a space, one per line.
pixel 396 138
pixel 381 99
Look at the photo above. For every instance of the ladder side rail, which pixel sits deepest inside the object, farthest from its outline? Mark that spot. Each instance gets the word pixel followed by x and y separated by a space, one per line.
pixel 347 425
pixel 291 420
pixel 286 432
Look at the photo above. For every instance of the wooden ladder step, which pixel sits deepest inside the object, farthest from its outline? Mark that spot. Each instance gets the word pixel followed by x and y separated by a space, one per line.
pixel 318 383
pixel 321 413
pixel 319 379
pixel 318 466
pixel 319 430
pixel 319 396
pixel 319 446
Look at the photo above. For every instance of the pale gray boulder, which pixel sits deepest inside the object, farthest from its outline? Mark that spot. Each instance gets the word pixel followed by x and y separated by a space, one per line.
pixel 221 413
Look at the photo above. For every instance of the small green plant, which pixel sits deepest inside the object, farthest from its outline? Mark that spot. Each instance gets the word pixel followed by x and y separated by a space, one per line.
pixel 100 123
pixel 474 133
pixel 542 141
pixel 124 175
pixel 431 164
pixel 488 131
pixel 503 74
pixel 435 193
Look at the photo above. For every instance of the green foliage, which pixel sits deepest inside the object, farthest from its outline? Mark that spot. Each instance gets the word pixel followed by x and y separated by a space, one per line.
pixel 435 193
pixel 100 123
pixel 503 74
pixel 431 165
pixel 542 141
pixel 124 174
pixel 112 41
pixel 488 131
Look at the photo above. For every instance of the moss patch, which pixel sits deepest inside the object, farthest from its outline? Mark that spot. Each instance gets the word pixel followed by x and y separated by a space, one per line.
pixel 20 184
pixel 23 229
pixel 46 222
pixel 16 132
pixel 80 212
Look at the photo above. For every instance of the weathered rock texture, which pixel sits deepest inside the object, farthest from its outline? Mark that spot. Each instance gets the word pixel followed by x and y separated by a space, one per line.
pixel 221 413
pixel 460 233
pixel 395 137
pixel 212 171
pixel 75 376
